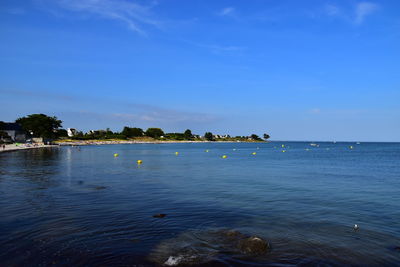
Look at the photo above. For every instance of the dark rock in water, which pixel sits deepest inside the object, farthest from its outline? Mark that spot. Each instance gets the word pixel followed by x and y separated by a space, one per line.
pixel 161 215
pixel 183 250
pixel 100 187
pixel 208 247
pixel 254 245
pixel 186 256
pixel 80 182
pixel 232 233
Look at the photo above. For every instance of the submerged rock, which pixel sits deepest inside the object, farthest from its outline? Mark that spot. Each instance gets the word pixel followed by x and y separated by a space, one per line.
pixel 253 245
pixel 100 187
pixel 161 215
pixel 183 250
pixel 187 256
pixel 205 247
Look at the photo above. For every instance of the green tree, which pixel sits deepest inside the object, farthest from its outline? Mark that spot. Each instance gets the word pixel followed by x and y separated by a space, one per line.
pixel 126 131
pixel 174 136
pixel 40 125
pixel 154 132
pixel 188 134
pixel 137 132
pixel 132 132
pixel 79 135
pixel 266 136
pixel 209 136
pixel 61 133
pixel 2 125
pixel 109 134
pixel 255 137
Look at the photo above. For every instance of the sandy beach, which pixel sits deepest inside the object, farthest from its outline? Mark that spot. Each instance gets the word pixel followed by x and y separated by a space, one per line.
pixel 14 147
pixel 113 142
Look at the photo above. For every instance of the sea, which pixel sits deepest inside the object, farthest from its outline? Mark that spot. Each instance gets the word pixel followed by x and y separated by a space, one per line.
pixel 326 204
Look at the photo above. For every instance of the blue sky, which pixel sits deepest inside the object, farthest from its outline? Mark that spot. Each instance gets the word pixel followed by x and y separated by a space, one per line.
pixel 299 70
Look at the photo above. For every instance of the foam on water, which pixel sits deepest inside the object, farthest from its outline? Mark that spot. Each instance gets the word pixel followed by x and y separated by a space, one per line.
pixel 174 260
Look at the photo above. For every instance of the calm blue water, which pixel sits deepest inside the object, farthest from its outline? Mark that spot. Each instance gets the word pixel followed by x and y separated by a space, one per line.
pixel 82 206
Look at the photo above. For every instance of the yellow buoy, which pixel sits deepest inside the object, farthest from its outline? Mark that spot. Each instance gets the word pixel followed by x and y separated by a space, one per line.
pixel 351 147
pixel 224 156
pixel 177 153
pixel 254 153
pixel 283 145
pixel 283 150
pixel 116 155
pixel 139 161
pixel 207 150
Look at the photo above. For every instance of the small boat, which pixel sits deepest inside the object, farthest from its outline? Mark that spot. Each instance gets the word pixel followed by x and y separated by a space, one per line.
pixel 315 145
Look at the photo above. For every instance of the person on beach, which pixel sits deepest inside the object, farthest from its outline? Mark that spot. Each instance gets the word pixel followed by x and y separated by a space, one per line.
pixel 4 146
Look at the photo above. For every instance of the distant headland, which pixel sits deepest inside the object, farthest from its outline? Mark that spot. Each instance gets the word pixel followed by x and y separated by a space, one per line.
pixel 40 128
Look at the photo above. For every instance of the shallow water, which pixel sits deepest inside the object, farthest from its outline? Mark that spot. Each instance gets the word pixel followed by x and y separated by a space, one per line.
pixel 85 207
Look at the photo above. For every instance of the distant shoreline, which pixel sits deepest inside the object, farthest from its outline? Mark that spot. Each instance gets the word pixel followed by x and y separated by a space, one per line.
pixel 14 147
pixel 114 142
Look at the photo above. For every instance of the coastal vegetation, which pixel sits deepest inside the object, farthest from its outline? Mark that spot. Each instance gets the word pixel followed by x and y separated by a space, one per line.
pixel 209 136
pixel 154 132
pixel 41 125
pixel 132 132
pixel 255 137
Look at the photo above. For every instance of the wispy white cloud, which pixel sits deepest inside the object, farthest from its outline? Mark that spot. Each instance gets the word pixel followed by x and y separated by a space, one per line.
pixel 37 94
pixel 82 111
pixel 332 10
pixel 139 116
pixel 356 15
pixel 364 9
pixel 170 116
pixel 132 14
pixel 227 11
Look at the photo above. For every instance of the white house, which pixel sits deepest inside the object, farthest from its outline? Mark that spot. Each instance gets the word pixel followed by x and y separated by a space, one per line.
pixel 71 132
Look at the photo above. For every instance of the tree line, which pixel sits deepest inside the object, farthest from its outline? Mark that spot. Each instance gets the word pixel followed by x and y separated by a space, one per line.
pixel 41 125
